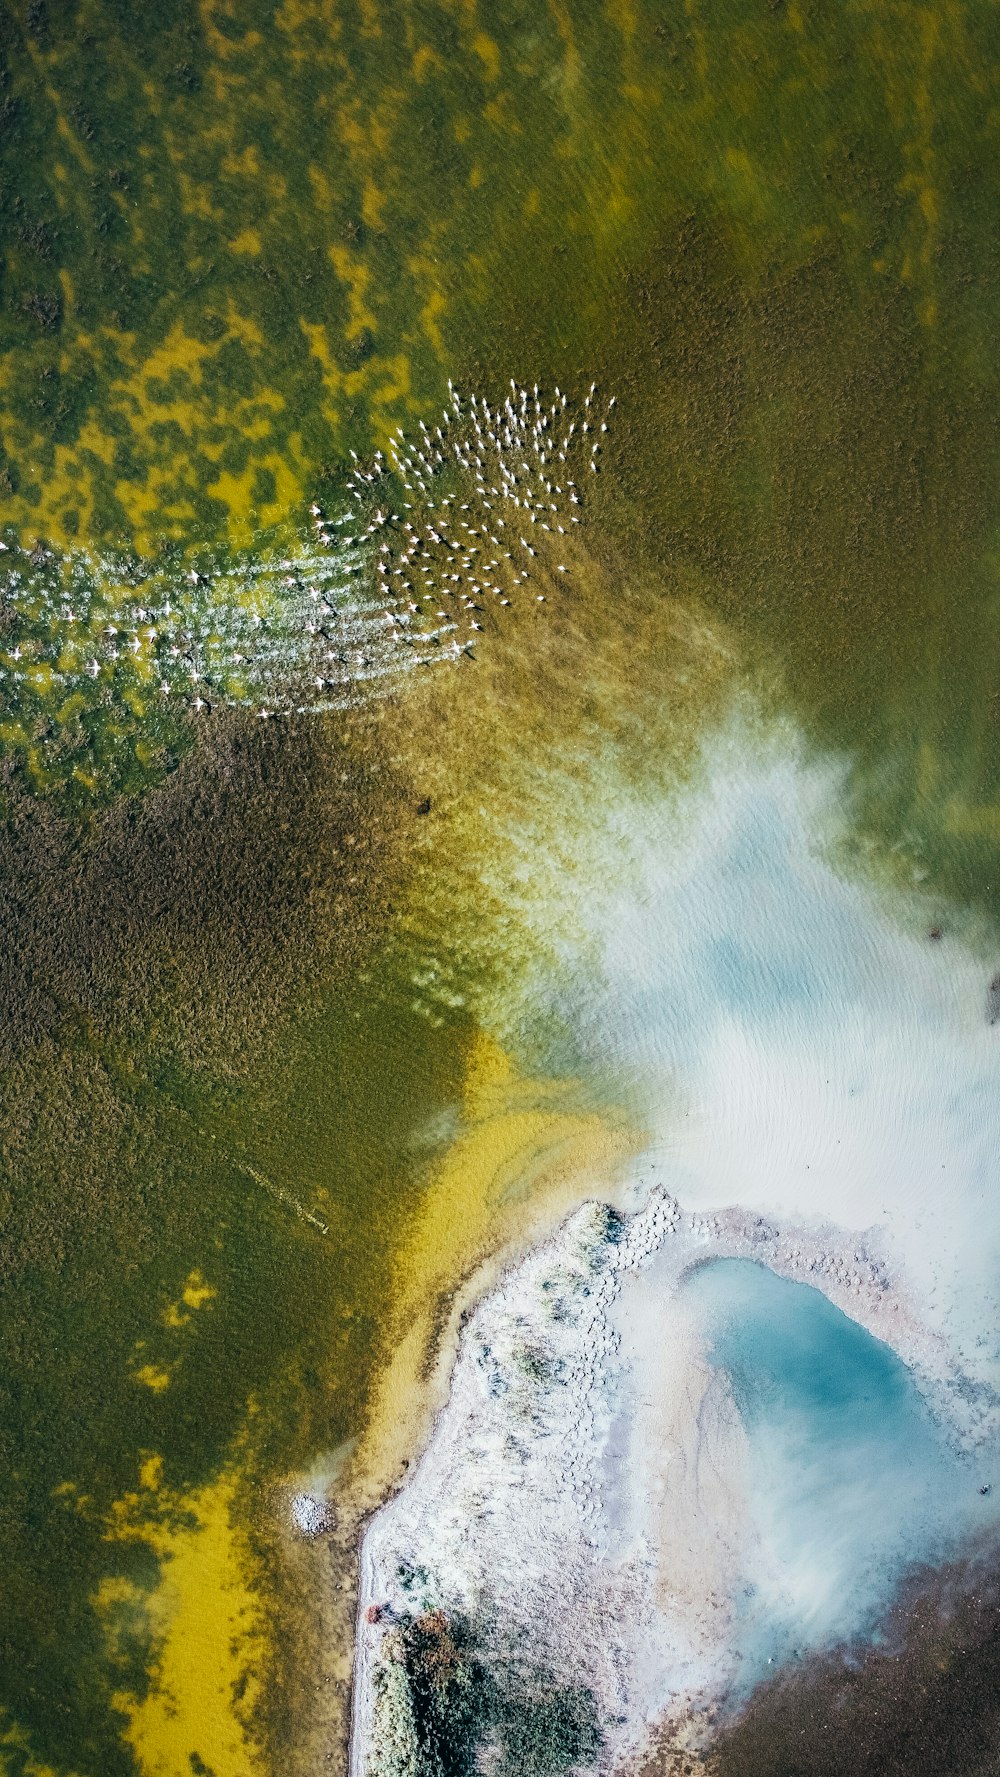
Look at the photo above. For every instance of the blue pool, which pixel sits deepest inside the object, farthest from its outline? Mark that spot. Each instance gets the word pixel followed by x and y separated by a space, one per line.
pixel 850 1481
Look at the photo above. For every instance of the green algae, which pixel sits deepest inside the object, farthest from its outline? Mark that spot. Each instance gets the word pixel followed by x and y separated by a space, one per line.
pixel 238 240
pixel 158 1183
pixel 446 1699
pixel 193 1052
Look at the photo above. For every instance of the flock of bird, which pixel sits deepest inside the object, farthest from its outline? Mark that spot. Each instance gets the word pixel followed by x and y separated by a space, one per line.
pixel 462 522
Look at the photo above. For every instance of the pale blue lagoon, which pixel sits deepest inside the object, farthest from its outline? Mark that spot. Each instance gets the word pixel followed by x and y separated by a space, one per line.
pixel 852 1483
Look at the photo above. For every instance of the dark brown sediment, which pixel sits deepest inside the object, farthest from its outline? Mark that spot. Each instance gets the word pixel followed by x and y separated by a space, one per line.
pixel 256 870
pixel 926 1703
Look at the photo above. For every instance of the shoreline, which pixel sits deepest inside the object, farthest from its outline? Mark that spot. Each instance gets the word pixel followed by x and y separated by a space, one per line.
pixel 522 1519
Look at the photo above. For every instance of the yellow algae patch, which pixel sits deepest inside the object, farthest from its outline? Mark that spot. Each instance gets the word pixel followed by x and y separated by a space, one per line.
pixel 72 1498
pixel 625 18
pixel 433 307
pixel 425 271
pixel 153 1376
pixel 178 351
pixel 489 54
pixel 319 346
pixel 150 507
pixel 425 61
pixel 241 494
pixel 526 1154
pixel 572 64
pixel 207 1629
pixel 373 201
pixel 246 163
pixel 197 199
pixel 41 677
pixel 356 275
pixel 151 1471
pixel 247 242
pixel 195 1294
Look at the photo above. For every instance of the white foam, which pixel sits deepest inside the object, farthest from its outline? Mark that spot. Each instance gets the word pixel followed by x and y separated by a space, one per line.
pixel 795 1044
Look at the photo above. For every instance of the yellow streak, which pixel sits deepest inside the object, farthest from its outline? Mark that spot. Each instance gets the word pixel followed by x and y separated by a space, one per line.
pixel 207 1623
pixel 523 1159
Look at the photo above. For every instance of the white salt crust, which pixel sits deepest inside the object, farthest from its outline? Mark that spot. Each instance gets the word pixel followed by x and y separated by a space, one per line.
pixel 581 1493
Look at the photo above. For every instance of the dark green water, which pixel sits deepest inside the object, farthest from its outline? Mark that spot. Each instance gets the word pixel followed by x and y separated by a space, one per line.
pixel 237 242
pixel 178 1088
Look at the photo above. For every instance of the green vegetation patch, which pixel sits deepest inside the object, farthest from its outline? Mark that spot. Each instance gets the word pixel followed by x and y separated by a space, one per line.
pixel 447 1705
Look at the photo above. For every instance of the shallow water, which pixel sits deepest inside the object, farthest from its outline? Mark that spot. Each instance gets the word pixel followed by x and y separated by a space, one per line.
pixel 852 1484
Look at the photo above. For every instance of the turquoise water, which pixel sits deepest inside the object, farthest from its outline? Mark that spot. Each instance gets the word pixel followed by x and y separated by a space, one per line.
pixel 851 1483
